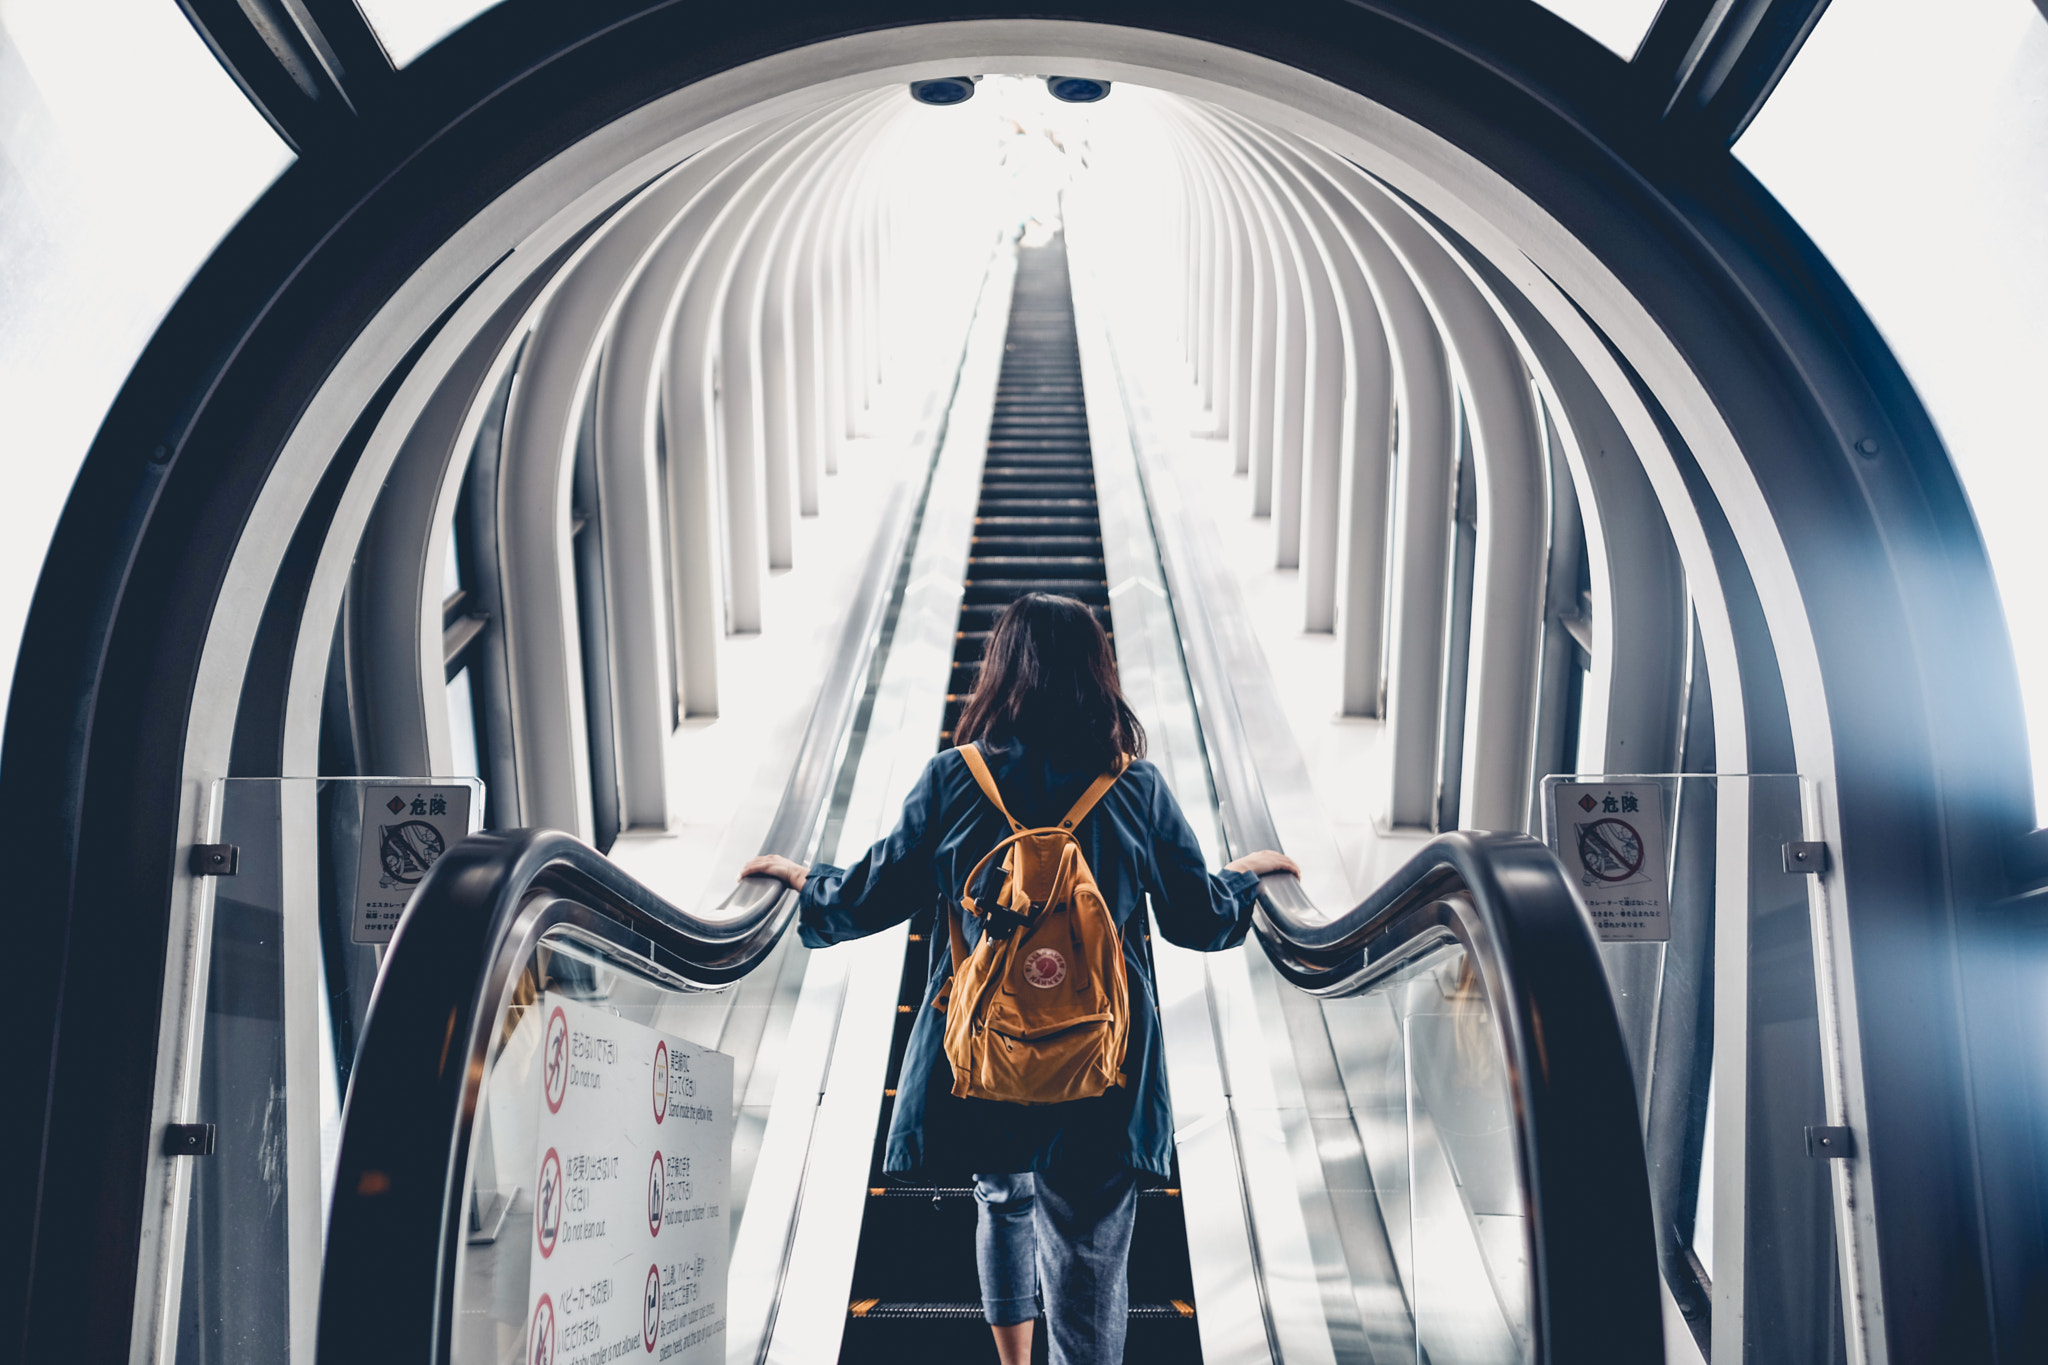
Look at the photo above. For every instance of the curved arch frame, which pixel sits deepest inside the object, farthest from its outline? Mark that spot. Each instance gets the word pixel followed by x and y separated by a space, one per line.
pixel 1672 271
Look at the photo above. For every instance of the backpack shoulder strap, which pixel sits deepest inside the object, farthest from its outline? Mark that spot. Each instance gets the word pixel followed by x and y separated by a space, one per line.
pixel 1093 794
pixel 986 780
pixel 959 940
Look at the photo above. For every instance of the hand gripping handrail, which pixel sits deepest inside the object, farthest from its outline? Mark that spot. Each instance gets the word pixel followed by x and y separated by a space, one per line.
pixel 1506 900
pixel 398 1218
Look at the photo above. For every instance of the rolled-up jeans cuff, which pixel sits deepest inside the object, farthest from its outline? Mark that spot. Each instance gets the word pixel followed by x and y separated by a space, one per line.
pixel 1009 1312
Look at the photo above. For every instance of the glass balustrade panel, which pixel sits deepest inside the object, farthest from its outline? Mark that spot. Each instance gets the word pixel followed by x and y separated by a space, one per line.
pixel 600 1190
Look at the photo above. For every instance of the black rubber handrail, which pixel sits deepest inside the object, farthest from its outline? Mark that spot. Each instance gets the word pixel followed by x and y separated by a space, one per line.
pixel 1506 901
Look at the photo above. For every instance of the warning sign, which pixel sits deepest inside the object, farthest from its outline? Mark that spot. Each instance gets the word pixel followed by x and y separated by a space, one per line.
pixel 541 1336
pixel 547 1203
pixel 554 1061
pixel 405 831
pixel 1610 838
pixel 627 1270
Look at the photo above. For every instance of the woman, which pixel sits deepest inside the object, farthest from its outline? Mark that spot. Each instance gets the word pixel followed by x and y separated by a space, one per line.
pixel 1056 1184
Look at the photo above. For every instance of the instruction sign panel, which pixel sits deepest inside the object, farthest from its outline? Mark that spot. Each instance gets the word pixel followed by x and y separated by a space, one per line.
pixel 634 1143
pixel 405 831
pixel 1610 838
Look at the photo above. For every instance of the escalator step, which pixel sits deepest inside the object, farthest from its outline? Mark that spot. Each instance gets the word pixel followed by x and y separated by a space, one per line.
pixel 1042 507
pixel 1045 525
pixel 1003 590
pixel 1087 546
pixel 929 1192
pixel 914 1295
pixel 879 1310
pixel 982 567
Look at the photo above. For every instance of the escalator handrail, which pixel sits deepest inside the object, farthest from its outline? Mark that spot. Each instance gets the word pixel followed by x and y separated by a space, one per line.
pixel 397 1220
pixel 1505 899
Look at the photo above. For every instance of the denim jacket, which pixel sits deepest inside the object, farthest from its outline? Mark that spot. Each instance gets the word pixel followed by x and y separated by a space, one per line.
pixel 1138 844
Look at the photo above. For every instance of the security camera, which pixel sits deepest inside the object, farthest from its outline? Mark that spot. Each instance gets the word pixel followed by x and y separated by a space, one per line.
pixel 1076 89
pixel 945 90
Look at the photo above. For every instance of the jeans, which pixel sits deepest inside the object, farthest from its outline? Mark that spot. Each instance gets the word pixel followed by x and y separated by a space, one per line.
pixel 1069 1235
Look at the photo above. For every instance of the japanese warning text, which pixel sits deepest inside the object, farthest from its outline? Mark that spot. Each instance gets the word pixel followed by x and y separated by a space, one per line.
pixel 1610 838
pixel 634 1151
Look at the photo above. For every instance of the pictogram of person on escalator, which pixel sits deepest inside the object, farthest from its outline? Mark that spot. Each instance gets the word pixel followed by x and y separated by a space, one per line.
pixel 1036 1061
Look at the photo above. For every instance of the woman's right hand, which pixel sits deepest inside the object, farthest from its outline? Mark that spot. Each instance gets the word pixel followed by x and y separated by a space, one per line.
pixel 775 865
pixel 1264 862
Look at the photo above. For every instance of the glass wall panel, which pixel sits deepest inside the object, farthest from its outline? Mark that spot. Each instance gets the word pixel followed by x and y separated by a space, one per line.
pixel 1409 1102
pixel 1912 144
pixel 409 27
pixel 125 153
pixel 1618 24
pixel 602 1226
pixel 292 954
pixel 1684 874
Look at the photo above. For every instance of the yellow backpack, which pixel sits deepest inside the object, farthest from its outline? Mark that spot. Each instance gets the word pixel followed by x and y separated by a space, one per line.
pixel 1039 1012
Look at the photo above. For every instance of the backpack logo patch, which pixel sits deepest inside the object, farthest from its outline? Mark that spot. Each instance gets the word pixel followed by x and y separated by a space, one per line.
pixel 1045 969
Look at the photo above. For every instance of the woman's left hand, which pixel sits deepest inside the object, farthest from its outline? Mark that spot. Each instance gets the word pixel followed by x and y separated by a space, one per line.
pixel 775 865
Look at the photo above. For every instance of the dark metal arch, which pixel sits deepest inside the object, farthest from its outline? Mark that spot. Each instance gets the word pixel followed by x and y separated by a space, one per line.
pixel 1921 693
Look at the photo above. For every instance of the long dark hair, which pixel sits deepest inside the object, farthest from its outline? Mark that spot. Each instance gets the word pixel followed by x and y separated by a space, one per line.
pixel 1048 678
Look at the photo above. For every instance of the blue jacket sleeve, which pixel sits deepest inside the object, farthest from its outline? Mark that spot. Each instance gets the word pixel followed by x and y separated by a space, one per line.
pixel 1195 908
pixel 890 883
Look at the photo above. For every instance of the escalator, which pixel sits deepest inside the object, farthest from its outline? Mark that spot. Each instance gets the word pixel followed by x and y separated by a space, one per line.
pixel 1036 529
pixel 1501 1209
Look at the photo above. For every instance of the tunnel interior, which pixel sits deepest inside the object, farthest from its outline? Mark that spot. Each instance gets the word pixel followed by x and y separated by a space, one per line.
pixel 571 431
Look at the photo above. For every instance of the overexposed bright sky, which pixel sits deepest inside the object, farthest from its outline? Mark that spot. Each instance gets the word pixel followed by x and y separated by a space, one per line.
pixel 407 28
pixel 1916 155
pixel 107 207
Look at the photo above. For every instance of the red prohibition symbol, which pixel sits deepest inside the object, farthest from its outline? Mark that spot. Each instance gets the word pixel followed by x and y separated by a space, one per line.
pixel 650 1316
pixel 540 1338
pixel 547 1203
pixel 657 1195
pixel 554 1061
pixel 1611 850
pixel 660 1081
